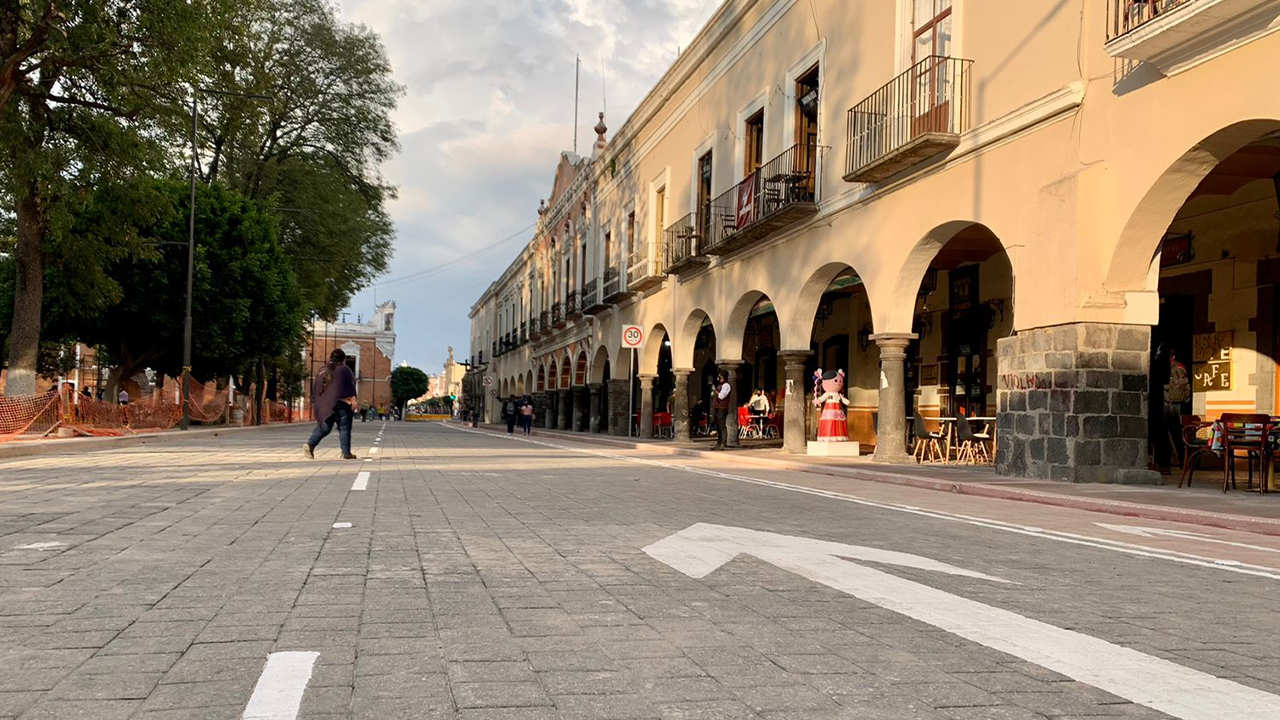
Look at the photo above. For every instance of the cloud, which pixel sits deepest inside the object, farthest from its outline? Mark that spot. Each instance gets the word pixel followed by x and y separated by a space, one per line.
pixel 487 111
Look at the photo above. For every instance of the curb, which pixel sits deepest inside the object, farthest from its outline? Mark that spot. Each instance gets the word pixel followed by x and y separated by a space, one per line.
pixel 31 448
pixel 1206 518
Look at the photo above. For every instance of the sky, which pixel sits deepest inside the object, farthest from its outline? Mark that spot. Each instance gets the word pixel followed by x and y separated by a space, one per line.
pixel 487 110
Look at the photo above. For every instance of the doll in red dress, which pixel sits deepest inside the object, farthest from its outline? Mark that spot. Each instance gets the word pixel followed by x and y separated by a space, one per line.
pixel 828 394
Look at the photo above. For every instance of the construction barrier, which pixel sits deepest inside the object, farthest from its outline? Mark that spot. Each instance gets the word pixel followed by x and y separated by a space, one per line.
pixel 65 412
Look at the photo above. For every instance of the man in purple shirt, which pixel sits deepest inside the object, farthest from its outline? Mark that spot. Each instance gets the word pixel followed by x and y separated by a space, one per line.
pixel 333 400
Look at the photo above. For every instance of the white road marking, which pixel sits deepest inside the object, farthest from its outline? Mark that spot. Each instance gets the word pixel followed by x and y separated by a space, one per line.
pixel 49 545
pixel 1144 679
pixel 362 481
pixel 1056 535
pixel 368 459
pixel 1181 534
pixel 373 450
pixel 278 694
pixel 341 525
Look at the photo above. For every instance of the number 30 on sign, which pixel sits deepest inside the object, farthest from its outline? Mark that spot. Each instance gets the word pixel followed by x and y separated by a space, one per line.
pixel 632 336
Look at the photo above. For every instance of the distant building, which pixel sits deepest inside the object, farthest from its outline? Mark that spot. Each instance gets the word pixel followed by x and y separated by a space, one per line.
pixel 370 347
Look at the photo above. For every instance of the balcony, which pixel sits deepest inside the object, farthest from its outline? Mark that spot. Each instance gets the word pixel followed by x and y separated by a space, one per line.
pixel 592 301
pixel 684 245
pixel 613 289
pixel 1176 34
pixel 544 323
pixel 524 333
pixel 496 349
pixel 573 305
pixel 646 268
pixel 557 315
pixel 917 115
pixel 779 194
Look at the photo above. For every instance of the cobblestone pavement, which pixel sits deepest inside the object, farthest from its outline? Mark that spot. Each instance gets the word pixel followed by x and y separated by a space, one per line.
pixel 484 577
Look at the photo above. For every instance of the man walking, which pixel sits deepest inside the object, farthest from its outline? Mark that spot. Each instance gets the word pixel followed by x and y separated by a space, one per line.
pixel 333 400
pixel 720 409
pixel 509 414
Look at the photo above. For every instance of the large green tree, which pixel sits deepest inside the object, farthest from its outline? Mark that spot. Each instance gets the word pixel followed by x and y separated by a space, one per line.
pixel 86 88
pixel 315 151
pixel 407 383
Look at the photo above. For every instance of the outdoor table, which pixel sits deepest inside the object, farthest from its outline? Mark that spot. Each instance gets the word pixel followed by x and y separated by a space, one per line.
pixel 946 426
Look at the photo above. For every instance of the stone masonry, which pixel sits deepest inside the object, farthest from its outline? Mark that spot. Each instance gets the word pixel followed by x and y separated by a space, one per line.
pixel 1073 403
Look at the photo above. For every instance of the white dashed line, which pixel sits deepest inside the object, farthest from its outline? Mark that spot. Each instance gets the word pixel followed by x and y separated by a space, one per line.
pixel 278 694
pixel 362 481
pixel 341 525
pixel 373 451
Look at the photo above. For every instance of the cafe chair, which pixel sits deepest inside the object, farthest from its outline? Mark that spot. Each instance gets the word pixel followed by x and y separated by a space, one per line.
pixel 1246 433
pixel 972 446
pixel 1195 446
pixel 928 446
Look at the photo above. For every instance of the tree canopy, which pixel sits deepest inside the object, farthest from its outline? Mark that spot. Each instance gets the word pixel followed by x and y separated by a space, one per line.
pixel 408 383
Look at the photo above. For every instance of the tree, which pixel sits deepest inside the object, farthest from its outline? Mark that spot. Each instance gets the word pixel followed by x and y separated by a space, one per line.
pixel 314 151
pixel 407 383
pixel 86 86
pixel 246 304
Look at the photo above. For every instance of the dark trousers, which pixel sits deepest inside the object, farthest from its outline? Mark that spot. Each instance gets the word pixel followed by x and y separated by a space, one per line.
pixel 526 424
pixel 722 427
pixel 511 424
pixel 1170 445
pixel 342 416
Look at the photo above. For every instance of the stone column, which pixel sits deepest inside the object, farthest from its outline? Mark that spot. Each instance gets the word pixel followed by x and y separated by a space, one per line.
pixel 596 411
pixel 646 406
pixel 891 427
pixel 581 409
pixel 619 406
pixel 731 368
pixel 566 410
pixel 540 407
pixel 794 407
pixel 680 406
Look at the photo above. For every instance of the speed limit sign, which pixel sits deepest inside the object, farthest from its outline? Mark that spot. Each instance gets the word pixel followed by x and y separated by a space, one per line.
pixel 632 336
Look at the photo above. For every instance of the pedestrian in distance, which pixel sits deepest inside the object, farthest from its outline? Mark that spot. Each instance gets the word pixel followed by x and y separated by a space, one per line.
pixel 123 397
pixel 333 400
pixel 509 414
pixel 526 415
pixel 364 412
pixel 720 391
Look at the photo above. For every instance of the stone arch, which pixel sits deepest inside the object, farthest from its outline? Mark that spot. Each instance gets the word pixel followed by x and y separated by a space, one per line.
pixel 542 378
pixel 580 369
pixel 686 338
pixel 729 346
pixel 1135 253
pixel 798 326
pixel 652 349
pixel 520 386
pixel 566 373
pixel 598 365
pixel 553 377
pixel 893 308
pixel 528 383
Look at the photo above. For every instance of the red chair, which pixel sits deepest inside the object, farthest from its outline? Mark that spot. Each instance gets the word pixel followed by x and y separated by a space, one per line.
pixel 662 426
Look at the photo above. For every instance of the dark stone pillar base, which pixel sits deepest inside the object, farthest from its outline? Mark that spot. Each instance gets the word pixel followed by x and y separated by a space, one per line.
pixel 552 411
pixel 566 410
pixel 581 409
pixel 1073 404
pixel 540 408
pixel 596 411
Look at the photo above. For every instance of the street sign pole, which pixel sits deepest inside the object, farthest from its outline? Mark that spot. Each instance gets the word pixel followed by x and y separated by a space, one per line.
pixel 633 338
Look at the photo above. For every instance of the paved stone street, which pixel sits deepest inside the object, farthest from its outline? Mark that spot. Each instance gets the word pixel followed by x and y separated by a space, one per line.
pixel 490 577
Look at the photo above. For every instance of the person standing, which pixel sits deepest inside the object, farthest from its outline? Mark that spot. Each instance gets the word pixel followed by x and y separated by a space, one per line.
pixel 1177 393
pixel 333 400
pixel 364 412
pixel 720 409
pixel 509 414
pixel 526 415
pixel 123 397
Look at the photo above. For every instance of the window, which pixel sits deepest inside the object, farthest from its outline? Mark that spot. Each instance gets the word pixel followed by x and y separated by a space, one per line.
pixel 931 29
pixel 631 232
pixel 659 212
pixel 754 144
pixel 704 196
pixel 807 125
pixel 608 249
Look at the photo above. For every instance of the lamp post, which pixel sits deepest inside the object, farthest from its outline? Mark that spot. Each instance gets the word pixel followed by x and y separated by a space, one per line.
pixel 191 242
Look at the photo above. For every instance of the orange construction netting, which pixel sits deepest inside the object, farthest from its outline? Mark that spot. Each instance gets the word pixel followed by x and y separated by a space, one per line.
pixel 33 415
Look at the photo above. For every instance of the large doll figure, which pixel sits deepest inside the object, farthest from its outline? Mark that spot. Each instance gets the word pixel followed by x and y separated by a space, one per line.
pixel 828 394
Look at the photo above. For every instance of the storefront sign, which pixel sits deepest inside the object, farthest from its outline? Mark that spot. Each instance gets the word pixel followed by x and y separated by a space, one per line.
pixel 929 375
pixel 1211 361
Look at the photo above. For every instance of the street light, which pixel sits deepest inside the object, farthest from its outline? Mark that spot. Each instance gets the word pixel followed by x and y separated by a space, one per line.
pixel 191 242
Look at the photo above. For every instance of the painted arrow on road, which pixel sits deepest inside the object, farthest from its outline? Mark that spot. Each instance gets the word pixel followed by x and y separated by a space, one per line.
pixel 1183 534
pixel 1179 691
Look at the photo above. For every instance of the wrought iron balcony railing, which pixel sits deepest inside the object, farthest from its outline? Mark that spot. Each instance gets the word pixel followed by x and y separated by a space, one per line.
pixel 646 268
pixel 544 322
pixel 779 193
pixel 915 116
pixel 557 314
pixel 592 301
pixel 572 305
pixel 613 288
pixel 684 244
pixel 1125 16
pixel 524 333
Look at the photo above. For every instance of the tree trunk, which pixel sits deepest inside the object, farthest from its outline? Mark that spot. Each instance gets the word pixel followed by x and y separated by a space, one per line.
pixel 24 338
pixel 261 389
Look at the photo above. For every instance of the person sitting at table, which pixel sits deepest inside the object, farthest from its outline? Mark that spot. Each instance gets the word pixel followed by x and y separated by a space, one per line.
pixel 759 404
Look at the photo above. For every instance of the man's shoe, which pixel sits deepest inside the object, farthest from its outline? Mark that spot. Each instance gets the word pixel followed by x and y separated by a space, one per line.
pixel 349 456
pixel 308 451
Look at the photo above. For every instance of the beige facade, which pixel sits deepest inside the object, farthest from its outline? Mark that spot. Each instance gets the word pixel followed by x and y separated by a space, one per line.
pixel 965 204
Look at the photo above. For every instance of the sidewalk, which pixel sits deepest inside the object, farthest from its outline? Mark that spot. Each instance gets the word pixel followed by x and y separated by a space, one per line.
pixel 1202 504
